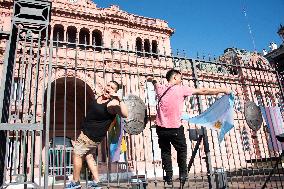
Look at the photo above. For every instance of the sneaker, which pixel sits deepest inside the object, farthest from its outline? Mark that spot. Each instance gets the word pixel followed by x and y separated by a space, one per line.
pixel 94 185
pixel 169 177
pixel 169 180
pixel 73 185
pixel 183 178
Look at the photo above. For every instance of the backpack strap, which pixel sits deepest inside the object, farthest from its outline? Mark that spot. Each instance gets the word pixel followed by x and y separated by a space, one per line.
pixel 163 95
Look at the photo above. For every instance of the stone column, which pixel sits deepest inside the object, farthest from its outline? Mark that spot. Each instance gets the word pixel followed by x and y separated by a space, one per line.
pixel 78 33
pixel 91 37
pixel 51 31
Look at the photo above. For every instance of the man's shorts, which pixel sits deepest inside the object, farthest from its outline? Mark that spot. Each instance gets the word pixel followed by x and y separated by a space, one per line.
pixel 84 146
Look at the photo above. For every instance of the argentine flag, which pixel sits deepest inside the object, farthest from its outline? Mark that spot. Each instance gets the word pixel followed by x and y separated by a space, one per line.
pixel 219 116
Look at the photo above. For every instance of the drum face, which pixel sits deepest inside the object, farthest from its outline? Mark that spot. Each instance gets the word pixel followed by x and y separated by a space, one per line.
pixel 135 122
pixel 253 115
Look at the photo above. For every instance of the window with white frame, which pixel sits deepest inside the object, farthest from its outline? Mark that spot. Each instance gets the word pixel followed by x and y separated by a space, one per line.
pixel 150 94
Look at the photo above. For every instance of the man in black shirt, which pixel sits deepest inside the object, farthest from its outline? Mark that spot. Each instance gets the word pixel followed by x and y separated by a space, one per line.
pixel 94 128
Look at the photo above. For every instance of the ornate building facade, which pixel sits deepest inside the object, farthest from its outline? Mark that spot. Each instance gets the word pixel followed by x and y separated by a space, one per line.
pixel 57 75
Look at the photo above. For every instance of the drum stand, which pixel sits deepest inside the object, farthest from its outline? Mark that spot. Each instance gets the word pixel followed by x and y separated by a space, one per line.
pixel 201 134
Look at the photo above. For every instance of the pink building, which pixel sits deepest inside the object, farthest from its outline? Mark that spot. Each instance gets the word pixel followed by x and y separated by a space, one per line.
pixel 56 77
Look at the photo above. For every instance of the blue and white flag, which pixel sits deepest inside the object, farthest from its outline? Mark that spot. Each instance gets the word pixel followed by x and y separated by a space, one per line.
pixel 219 116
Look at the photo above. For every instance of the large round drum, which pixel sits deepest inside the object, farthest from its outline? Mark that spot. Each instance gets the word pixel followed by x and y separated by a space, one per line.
pixel 136 120
pixel 253 115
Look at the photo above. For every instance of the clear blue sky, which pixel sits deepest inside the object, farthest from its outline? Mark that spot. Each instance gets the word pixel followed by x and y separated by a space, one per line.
pixel 210 26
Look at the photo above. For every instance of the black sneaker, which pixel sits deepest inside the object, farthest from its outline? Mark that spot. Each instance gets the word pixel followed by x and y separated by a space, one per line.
pixel 183 178
pixel 168 179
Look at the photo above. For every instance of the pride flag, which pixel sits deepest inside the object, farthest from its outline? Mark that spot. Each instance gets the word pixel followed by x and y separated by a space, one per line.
pixel 219 116
pixel 117 143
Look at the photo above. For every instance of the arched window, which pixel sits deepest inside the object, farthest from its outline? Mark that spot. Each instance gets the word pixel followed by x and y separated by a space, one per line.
pixel 58 34
pixel 71 36
pixel 84 37
pixel 97 40
pixel 155 48
pixel 147 47
pixel 138 46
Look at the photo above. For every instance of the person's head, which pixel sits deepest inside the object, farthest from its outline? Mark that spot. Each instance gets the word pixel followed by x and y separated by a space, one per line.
pixel 174 76
pixel 110 89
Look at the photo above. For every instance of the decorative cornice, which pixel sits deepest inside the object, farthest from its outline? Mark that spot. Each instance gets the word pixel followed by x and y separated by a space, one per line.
pixel 112 14
pixel 86 9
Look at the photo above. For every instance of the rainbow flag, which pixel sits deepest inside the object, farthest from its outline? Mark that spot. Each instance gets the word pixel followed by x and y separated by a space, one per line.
pixel 117 143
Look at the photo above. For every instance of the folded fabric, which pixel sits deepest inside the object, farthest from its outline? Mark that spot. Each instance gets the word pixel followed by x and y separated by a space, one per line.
pixel 274 123
pixel 219 116
pixel 116 142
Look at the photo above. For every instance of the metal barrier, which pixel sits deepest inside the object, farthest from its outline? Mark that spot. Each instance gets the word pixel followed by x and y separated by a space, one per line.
pixel 48 89
pixel 58 157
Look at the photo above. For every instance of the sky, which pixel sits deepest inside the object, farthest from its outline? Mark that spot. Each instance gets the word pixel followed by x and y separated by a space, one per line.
pixel 208 27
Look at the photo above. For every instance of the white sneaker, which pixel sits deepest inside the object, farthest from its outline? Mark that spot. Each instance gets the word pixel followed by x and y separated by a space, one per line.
pixel 73 185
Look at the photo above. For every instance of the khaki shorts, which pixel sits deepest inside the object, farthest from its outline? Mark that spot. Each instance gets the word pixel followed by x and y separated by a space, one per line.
pixel 84 146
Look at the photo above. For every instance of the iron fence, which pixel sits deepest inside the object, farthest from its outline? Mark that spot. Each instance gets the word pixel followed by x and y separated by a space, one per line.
pixel 48 84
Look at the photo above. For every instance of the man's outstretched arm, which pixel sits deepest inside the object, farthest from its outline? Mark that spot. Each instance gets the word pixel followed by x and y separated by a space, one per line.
pixel 211 91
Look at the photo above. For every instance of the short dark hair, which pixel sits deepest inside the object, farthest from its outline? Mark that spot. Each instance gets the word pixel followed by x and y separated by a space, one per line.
pixel 116 84
pixel 170 74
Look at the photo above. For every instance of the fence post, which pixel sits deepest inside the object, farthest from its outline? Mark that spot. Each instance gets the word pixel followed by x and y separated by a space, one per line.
pixel 5 93
pixel 28 16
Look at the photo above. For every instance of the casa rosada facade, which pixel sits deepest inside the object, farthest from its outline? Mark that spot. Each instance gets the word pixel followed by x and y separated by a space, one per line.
pixel 93 45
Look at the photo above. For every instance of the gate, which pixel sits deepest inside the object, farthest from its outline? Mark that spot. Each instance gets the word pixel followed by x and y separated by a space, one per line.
pixel 22 95
pixel 51 78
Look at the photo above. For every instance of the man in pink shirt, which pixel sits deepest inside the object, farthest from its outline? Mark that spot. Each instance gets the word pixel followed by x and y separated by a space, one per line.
pixel 169 110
